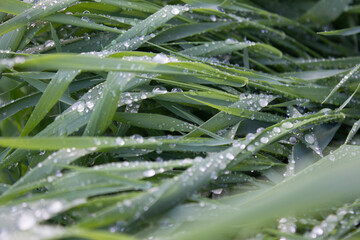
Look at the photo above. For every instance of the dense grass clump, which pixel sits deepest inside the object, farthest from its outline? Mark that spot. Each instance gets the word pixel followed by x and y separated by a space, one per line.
pixel 176 119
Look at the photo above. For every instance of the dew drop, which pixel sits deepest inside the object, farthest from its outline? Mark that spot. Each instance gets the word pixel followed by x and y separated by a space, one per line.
pixel 80 107
pixel 159 90
pixel 149 173
pixel 161 58
pixel 119 141
pixel 287 125
pixel 318 230
pixel 55 207
pixel 263 102
pixel 230 41
pixel 276 130
pixel 229 156
pixel 217 191
pixel 175 11
pixel 309 139
pixel 90 104
pixel 26 222
pixel 264 140
pixel 251 148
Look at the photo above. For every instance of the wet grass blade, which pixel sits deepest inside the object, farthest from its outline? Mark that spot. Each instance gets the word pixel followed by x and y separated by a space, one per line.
pixel 105 108
pixel 36 12
pixel 51 95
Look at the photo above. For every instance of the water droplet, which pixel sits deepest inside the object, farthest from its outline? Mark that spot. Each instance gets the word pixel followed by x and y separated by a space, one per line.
pixel 80 107
pixel 229 156
pixel 263 102
pixel 175 11
pixel 250 136
pixel 287 125
pixel 90 104
pixel 127 202
pixel 213 18
pixel 230 41
pixel 217 191
pixel 276 130
pixel 138 138
pixel 176 90
pixel 292 139
pixel 126 44
pixel 119 141
pixel 251 148
pixel 159 90
pixel 26 222
pixel 317 230
pixel 55 207
pixel 85 19
pixel 309 139
pixel 264 140
pixel 149 173
pixel 161 58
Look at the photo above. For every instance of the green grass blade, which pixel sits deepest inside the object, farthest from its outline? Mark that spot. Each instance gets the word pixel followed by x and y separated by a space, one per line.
pixel 55 39
pixel 325 11
pixel 342 32
pixel 203 170
pixel 150 24
pixel 342 82
pixel 55 143
pixel 106 107
pixel 312 182
pixel 36 12
pixel 154 121
pixel 51 95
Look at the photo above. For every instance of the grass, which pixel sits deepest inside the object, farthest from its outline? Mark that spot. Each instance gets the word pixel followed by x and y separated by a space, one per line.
pixel 179 119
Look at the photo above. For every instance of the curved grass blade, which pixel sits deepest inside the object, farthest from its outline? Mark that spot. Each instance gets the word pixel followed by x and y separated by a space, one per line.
pixel 244 113
pixel 19 104
pixel 143 6
pixel 325 11
pixel 11 41
pixel 186 30
pixel 148 25
pixel 105 108
pixel 38 11
pixel 75 117
pixel 342 82
pixel 311 188
pixel 228 46
pixel 178 189
pixel 353 131
pixel 154 121
pixel 44 169
pixel 314 75
pixel 342 32
pixel 41 86
pixel 51 95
